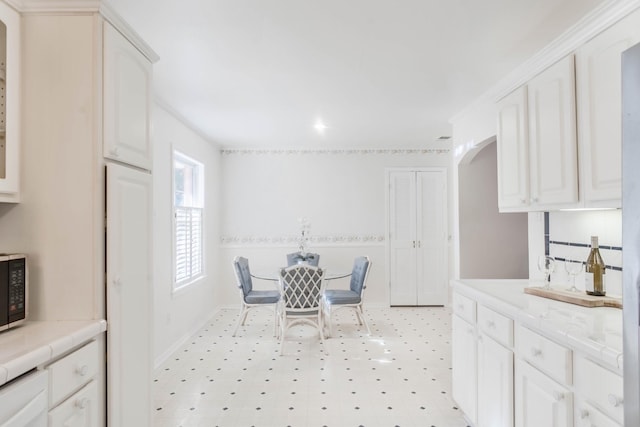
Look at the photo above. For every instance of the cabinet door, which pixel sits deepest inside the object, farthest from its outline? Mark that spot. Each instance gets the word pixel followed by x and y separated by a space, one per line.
pixel 598 78
pixel 540 401
pixel 513 155
pixel 495 380
pixel 129 296
pixel 552 136
pixel 79 410
pixel 127 89
pixel 10 107
pixel 464 383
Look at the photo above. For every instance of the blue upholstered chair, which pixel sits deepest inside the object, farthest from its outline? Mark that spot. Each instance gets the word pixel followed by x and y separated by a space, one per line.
pixel 301 288
pixel 308 258
pixel 250 297
pixel 352 298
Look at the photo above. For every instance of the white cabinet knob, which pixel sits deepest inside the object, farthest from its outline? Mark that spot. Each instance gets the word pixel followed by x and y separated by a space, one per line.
pixel 558 396
pixel 82 370
pixel 614 400
pixel 584 414
pixel 117 282
pixel 491 324
pixel 82 403
pixel 536 352
pixel 114 152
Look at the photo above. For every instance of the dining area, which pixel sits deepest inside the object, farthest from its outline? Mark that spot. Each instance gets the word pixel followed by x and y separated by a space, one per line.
pixel 302 292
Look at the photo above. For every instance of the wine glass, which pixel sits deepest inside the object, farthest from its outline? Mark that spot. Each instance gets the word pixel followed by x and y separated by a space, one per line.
pixel 546 264
pixel 573 268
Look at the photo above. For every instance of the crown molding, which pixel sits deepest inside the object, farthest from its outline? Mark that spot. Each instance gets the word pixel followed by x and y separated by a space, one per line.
pixel 588 27
pixel 313 241
pixel 26 7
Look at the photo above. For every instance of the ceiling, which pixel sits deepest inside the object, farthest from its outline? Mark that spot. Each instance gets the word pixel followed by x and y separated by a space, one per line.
pixel 376 73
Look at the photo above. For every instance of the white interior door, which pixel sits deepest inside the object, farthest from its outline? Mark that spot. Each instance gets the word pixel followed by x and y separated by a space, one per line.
pixel 417 237
pixel 129 296
pixel 402 237
pixel 431 242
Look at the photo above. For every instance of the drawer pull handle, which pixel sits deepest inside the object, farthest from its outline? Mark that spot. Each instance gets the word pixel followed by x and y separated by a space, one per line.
pixel 82 403
pixel 536 352
pixel 114 152
pixel 491 324
pixel 584 414
pixel 82 370
pixel 461 307
pixel 614 400
pixel 558 396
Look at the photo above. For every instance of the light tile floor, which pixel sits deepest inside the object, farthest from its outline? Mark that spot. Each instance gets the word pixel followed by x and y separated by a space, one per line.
pixel 398 376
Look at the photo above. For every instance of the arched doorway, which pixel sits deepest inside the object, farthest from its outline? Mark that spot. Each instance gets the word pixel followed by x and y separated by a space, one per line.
pixel 493 245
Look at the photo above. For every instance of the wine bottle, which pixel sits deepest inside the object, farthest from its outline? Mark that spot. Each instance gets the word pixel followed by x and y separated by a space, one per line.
pixel 594 271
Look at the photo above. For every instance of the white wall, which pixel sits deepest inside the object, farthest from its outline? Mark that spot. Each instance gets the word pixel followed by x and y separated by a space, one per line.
pixel 342 193
pixel 178 315
pixel 493 245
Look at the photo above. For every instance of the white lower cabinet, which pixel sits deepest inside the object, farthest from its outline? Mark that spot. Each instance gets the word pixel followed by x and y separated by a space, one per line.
pixel 540 401
pixel 73 388
pixel 495 384
pixel 79 410
pixel 601 394
pixel 588 416
pixel 464 377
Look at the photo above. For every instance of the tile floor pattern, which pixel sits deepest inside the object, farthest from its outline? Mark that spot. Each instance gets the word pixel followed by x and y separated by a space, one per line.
pixel 398 376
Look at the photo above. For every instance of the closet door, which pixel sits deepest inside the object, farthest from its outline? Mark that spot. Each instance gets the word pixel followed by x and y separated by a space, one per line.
pixel 402 237
pixel 129 296
pixel 431 238
pixel 417 237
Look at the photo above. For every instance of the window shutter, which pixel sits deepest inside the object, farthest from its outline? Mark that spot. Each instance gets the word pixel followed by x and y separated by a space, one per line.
pixel 189 253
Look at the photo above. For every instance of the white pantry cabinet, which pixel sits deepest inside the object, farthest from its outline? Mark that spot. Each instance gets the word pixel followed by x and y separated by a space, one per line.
pixel 127 94
pixel 537 149
pixel 598 80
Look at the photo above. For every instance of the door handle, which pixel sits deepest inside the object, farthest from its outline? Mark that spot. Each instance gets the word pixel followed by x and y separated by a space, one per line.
pixel 414 244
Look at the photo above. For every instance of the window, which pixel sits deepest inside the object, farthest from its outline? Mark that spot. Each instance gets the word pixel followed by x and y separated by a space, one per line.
pixel 188 203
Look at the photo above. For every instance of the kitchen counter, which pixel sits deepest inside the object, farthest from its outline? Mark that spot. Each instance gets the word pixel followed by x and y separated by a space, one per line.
pixel 37 342
pixel 596 332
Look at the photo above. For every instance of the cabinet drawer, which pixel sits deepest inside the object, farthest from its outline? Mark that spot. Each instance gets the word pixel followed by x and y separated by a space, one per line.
pixel 589 416
pixel 546 355
pixel 72 372
pixel 464 307
pixel 496 325
pixel 600 387
pixel 78 410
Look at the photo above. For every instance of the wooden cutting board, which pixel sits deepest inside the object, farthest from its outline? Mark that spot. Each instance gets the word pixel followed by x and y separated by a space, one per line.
pixel 578 298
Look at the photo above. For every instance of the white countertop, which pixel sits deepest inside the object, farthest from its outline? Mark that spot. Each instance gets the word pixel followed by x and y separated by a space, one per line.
pixel 37 342
pixel 596 332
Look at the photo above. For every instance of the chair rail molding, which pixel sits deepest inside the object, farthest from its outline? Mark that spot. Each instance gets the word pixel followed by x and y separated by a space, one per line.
pixel 385 151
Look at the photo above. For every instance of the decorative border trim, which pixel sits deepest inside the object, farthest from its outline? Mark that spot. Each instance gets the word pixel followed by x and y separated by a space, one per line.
pixel 228 152
pixel 295 240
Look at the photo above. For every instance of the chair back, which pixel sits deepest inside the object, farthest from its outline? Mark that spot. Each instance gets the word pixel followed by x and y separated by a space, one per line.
pixel 361 266
pixel 301 286
pixel 243 274
pixel 308 258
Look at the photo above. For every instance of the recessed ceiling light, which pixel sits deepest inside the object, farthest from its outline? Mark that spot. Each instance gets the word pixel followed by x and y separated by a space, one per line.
pixel 319 126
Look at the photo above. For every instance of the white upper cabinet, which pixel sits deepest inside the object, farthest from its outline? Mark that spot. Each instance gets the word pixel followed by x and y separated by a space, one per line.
pixel 598 78
pixel 513 151
pixel 537 149
pixel 127 91
pixel 10 107
pixel 552 136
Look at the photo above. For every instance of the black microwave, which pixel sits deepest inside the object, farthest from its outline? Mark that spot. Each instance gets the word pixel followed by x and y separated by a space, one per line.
pixel 13 290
